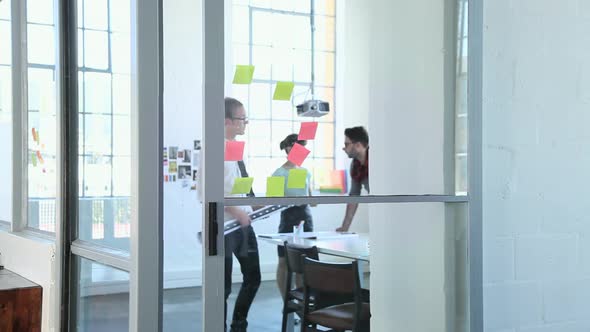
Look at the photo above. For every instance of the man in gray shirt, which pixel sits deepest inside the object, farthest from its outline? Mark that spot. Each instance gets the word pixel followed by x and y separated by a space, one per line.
pixel 356 146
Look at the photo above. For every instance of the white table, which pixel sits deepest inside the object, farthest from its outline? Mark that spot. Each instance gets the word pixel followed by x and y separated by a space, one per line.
pixel 348 245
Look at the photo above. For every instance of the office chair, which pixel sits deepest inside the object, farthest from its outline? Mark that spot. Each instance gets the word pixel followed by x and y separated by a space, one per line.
pixel 333 280
pixel 293 299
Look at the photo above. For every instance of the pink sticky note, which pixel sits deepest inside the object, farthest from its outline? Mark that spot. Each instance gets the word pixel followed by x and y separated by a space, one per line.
pixel 298 154
pixel 234 150
pixel 308 130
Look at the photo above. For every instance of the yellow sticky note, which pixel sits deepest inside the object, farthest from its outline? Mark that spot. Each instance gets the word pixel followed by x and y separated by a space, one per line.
pixel 242 186
pixel 243 74
pixel 283 91
pixel 297 177
pixel 275 186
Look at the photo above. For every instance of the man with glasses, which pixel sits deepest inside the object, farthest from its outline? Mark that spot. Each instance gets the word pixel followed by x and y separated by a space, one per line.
pixel 241 243
pixel 356 146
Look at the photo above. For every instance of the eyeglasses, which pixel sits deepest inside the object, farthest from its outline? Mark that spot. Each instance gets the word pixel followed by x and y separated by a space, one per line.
pixel 243 119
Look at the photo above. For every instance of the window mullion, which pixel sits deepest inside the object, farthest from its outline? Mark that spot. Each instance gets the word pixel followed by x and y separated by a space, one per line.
pixel 19 115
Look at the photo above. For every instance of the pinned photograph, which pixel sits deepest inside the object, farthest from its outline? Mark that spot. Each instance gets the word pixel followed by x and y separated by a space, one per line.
pixel 184 172
pixel 197 144
pixel 165 154
pixel 180 154
pixel 187 156
pixel 172 167
pixel 173 151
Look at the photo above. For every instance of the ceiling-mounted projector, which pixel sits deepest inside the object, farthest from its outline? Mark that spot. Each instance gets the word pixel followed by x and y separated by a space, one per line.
pixel 313 108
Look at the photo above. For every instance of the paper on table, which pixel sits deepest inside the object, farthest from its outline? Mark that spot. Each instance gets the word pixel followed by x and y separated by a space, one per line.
pixel 242 185
pixel 298 154
pixel 283 91
pixel 307 130
pixel 311 235
pixel 275 186
pixel 296 179
pixel 243 74
pixel 234 150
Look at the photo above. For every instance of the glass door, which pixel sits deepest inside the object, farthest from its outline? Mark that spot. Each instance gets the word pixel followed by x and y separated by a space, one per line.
pixel 322 71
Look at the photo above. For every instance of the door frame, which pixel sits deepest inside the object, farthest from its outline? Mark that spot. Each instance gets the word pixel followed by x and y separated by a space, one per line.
pixel 212 184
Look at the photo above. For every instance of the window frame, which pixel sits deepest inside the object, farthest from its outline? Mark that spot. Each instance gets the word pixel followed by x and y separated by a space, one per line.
pixel 270 157
pixel 21 111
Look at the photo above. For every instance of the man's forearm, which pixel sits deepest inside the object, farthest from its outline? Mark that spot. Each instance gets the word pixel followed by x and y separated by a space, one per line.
pixel 233 211
pixel 240 215
pixel 350 212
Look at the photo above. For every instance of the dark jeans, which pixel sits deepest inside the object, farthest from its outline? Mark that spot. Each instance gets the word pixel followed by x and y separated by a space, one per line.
pixel 242 243
pixel 291 217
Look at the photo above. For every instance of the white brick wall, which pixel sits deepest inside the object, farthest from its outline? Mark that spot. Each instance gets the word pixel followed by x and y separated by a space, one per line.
pixel 536 165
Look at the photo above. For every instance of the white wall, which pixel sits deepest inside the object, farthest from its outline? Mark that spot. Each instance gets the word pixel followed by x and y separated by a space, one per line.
pixel 412 245
pixel 536 83
pixel 33 259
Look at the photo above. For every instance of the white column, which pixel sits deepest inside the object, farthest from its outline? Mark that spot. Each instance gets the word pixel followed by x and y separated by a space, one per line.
pixel 412 55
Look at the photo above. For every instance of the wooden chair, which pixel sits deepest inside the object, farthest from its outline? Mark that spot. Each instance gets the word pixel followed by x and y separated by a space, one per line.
pixel 293 299
pixel 333 280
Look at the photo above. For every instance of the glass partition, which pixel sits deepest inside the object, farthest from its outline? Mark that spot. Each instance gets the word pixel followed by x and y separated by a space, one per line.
pixel 5 111
pixel 104 55
pixel 103 298
pixel 413 260
pixel 314 69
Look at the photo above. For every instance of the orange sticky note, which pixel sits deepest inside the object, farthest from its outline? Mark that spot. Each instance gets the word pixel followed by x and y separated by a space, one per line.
pixel 39 157
pixel 298 154
pixel 307 130
pixel 234 150
pixel 35 137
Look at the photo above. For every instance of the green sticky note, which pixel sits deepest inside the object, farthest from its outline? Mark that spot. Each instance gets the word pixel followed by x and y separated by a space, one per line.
pixel 297 177
pixel 242 186
pixel 275 186
pixel 244 74
pixel 34 159
pixel 283 91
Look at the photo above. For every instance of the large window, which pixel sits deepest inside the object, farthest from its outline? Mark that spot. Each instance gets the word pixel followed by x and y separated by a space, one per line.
pixel 104 121
pixel 5 113
pixel 104 99
pixel 41 119
pixel 275 37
